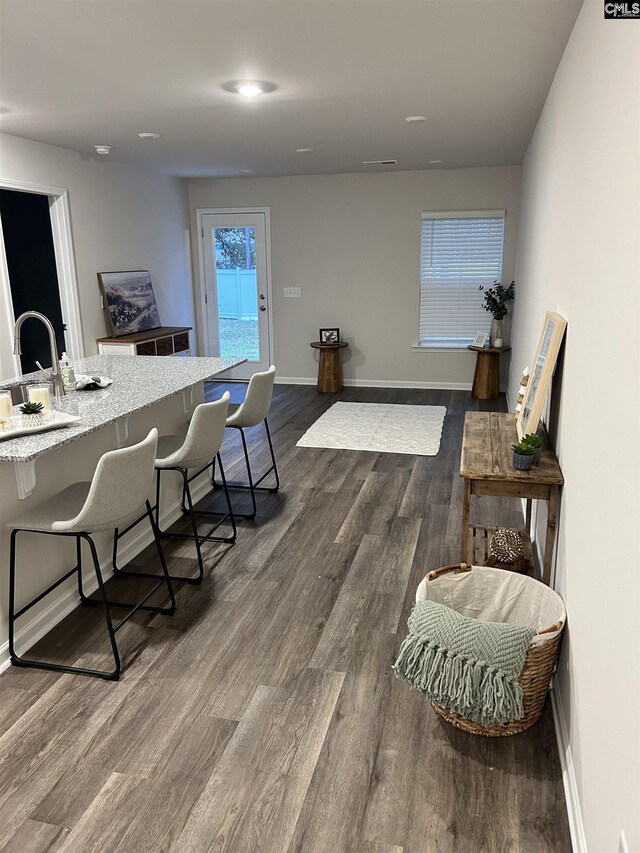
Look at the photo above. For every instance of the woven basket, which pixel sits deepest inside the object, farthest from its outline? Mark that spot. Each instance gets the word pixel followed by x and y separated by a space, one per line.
pixel 540 660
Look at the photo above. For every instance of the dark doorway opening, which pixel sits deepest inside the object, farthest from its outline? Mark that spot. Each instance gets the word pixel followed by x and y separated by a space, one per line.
pixel 33 276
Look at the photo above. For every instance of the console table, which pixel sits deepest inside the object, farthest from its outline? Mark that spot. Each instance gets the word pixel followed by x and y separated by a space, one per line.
pixel 486 467
pixel 165 340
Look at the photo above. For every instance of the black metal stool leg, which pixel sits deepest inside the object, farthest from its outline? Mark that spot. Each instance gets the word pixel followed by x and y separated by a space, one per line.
pixel 189 509
pixel 105 606
pixel 194 526
pixel 12 595
pixel 248 464
pixel 252 485
pixel 273 458
pixel 16 660
pixel 227 496
pixel 83 598
pixel 163 579
pixel 163 562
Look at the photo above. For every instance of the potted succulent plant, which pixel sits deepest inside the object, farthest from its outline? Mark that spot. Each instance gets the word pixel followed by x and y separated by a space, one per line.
pixel 496 300
pixel 523 455
pixel 535 441
pixel 32 414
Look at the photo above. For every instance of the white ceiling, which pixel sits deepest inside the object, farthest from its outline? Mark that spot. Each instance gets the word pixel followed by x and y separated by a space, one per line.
pixel 80 72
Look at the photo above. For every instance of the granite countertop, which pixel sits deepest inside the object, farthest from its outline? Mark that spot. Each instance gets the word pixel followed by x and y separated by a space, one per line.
pixel 138 382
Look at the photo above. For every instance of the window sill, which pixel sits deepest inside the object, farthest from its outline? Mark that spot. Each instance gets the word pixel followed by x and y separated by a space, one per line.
pixel 436 348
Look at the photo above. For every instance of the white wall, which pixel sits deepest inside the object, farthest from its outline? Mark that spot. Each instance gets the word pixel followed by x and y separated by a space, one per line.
pixel 578 254
pixel 122 218
pixel 352 243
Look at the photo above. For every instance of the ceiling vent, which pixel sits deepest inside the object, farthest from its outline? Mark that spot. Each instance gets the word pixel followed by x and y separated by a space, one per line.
pixel 379 162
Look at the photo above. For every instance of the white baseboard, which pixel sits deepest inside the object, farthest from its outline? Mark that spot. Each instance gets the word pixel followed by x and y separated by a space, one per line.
pixel 68 599
pixel 574 812
pixel 380 383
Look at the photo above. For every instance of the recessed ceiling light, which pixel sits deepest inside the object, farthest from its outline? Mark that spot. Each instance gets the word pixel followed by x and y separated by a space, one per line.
pixel 102 149
pixel 249 88
pixel 412 119
pixel 149 135
pixel 435 162
pixel 305 150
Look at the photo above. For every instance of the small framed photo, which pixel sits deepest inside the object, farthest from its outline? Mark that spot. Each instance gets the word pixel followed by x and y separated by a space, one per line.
pixel 329 336
pixel 480 340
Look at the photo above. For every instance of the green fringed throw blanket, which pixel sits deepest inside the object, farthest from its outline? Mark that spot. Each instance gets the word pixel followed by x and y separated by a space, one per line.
pixel 468 666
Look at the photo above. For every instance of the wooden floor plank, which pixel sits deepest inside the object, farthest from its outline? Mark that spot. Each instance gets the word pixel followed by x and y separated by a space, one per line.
pixel 358 846
pixel 36 837
pixel 335 804
pixel 253 798
pixel 49 738
pixel 159 804
pixel 374 590
pixel 377 504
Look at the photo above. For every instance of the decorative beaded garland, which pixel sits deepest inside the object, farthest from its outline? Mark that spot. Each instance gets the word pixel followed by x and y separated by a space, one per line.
pixel 506 545
pixel 522 390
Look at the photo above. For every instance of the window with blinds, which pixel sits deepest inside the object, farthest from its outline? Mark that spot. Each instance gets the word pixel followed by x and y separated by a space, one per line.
pixel 459 251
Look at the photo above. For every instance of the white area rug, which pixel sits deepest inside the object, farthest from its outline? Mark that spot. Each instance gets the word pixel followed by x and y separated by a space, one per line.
pixel 381 427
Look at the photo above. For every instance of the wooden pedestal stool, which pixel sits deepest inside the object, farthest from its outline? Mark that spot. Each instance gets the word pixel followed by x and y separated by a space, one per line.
pixel 330 368
pixel 486 379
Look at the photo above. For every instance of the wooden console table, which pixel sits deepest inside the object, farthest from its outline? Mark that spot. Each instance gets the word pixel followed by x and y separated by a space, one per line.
pixel 486 469
pixel 330 368
pixel 165 340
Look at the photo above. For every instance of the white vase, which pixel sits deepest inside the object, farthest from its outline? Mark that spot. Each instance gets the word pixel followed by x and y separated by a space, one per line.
pixel 496 333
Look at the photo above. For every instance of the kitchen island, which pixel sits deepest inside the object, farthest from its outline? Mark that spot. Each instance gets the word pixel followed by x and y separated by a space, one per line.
pixel 146 392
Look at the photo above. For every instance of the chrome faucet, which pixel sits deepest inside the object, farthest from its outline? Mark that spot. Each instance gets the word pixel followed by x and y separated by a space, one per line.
pixel 54 374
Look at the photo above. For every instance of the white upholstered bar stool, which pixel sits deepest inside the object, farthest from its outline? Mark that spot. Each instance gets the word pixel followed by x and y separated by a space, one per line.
pixel 116 494
pixel 197 450
pixel 251 412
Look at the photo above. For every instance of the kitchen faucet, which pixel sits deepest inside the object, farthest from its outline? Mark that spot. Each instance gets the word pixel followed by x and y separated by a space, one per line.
pixel 54 375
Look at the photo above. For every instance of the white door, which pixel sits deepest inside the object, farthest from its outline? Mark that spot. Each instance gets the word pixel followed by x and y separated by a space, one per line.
pixel 237 289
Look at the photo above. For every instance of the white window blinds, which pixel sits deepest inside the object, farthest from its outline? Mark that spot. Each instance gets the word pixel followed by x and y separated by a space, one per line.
pixel 459 251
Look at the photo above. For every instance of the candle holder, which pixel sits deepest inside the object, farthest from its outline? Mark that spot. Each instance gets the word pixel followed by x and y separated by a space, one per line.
pixel 6 405
pixel 41 393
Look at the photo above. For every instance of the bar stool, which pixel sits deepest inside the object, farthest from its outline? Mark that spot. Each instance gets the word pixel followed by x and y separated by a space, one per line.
pixel 197 449
pixel 251 412
pixel 117 493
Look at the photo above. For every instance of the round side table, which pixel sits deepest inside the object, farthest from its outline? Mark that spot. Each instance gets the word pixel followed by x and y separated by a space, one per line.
pixel 330 368
pixel 486 379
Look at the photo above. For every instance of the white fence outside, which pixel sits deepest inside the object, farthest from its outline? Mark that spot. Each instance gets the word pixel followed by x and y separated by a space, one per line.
pixel 237 294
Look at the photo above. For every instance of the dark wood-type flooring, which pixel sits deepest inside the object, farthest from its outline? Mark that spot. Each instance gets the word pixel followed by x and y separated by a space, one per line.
pixel 264 716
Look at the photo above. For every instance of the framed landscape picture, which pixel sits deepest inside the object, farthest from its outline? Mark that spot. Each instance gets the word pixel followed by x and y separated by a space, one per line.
pixel 129 301
pixel 541 373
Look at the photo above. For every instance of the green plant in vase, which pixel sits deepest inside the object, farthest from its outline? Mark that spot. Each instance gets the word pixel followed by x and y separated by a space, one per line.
pixel 535 441
pixel 32 414
pixel 496 301
pixel 523 455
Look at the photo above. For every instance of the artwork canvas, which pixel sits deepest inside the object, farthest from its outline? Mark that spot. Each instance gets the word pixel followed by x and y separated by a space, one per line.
pixel 541 374
pixel 130 302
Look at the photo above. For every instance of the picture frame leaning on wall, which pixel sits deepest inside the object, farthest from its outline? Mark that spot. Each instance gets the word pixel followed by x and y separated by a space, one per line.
pixel 542 371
